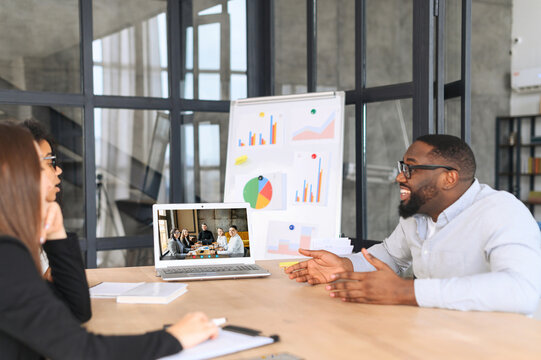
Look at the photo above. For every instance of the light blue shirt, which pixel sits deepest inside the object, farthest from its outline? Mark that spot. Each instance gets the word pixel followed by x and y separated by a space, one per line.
pixel 485 254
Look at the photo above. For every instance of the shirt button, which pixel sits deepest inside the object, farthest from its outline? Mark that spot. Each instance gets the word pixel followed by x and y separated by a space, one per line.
pixel 426 252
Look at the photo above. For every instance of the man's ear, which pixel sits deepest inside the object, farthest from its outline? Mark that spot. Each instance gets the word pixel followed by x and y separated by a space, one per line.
pixel 450 179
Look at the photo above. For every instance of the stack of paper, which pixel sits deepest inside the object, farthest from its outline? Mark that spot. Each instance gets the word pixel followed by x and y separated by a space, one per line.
pixel 139 293
pixel 110 290
pixel 338 246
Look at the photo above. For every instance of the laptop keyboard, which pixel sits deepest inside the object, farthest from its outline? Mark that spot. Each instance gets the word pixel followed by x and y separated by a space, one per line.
pixel 209 268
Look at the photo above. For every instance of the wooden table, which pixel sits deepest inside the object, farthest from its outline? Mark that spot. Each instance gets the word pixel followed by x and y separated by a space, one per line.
pixel 312 325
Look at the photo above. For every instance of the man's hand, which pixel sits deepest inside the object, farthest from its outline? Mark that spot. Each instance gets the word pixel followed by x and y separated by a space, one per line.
pixel 382 286
pixel 319 269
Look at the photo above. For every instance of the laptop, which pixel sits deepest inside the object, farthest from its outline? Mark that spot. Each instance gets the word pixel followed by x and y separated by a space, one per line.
pixel 206 254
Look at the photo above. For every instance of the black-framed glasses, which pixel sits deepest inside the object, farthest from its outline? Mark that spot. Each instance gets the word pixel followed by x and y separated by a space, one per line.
pixel 406 169
pixel 53 160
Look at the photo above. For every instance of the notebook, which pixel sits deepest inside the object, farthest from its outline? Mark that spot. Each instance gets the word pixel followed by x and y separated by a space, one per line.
pixel 110 290
pixel 227 342
pixel 203 256
pixel 152 293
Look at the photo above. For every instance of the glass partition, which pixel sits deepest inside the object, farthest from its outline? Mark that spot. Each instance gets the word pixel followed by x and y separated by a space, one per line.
pixel 389 43
pixel 40 42
pixel 388 135
pixel 130 48
pixel 204 137
pixel 65 125
pixel 289 47
pixel 213 40
pixel 132 169
pixel 335 45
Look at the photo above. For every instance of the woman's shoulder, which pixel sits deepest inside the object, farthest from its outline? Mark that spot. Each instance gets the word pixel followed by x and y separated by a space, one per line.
pixel 10 240
pixel 13 251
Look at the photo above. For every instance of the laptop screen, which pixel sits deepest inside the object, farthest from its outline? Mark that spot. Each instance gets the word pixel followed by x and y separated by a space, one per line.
pixel 204 233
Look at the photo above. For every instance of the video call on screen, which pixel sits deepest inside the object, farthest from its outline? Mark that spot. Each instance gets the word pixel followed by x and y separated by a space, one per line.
pixel 203 234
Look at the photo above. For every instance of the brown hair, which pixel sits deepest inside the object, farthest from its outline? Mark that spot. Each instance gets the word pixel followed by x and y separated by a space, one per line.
pixel 20 171
pixel 172 232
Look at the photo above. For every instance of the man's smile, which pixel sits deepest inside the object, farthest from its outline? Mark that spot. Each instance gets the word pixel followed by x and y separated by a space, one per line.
pixel 405 193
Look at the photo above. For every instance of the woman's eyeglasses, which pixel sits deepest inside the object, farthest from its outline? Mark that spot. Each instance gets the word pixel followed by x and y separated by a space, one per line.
pixel 53 160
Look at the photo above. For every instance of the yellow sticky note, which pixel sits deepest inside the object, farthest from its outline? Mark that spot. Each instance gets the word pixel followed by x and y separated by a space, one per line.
pixel 288 263
pixel 241 159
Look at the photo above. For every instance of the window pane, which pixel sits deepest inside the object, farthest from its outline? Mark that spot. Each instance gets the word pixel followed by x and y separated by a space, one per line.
pixel 187 159
pixel 210 179
pixel 349 220
pixel 209 86
pixel 40 44
pixel 66 127
pixel 237 13
pixel 203 155
pixel 290 47
pixel 335 45
pixel 389 134
pixel 186 89
pixel 209 144
pixel 389 42
pixel 132 169
pixel 132 47
pixel 238 87
pixel 453 38
pixel 209 46
pixel 214 41
pixel 452 117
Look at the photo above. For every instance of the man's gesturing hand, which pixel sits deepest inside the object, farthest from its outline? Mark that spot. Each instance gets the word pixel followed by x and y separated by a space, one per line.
pixel 319 269
pixel 382 286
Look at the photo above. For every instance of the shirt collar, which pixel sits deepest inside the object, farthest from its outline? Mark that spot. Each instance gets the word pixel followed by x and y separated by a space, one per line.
pixel 457 207
pixel 461 204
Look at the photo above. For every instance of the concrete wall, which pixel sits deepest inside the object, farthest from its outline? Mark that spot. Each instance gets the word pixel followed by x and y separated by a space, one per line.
pixel 526 52
pixel 491 31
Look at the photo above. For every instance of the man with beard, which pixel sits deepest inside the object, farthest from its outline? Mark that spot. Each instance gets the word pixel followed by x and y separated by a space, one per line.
pixel 471 247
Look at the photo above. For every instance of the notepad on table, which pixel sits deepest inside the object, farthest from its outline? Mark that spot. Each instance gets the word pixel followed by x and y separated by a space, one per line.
pixel 227 342
pixel 153 293
pixel 110 290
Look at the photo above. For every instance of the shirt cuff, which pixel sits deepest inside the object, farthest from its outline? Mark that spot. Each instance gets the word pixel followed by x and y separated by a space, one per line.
pixel 359 263
pixel 428 293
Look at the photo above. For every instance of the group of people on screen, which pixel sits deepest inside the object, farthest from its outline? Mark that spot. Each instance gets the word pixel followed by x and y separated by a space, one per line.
pixel 471 248
pixel 181 243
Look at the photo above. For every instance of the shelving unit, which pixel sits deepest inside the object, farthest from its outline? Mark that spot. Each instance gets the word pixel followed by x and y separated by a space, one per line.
pixel 513 149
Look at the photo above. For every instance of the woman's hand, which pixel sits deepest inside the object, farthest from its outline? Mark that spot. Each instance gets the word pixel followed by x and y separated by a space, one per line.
pixel 192 329
pixel 53 223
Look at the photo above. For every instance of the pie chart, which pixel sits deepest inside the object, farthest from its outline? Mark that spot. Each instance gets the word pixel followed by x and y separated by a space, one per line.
pixel 258 192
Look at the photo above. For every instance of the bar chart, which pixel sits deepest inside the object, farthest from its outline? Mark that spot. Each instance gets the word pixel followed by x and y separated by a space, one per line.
pixel 286 238
pixel 263 130
pixel 311 179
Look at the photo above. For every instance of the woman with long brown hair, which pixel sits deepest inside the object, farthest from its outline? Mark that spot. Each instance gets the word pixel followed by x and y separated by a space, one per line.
pixel 42 319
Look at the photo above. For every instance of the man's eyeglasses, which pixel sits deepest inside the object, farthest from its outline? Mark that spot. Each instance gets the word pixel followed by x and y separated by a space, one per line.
pixel 406 169
pixel 53 160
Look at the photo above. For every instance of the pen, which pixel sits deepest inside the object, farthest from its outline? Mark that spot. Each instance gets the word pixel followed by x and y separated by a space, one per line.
pixel 219 321
pixel 242 330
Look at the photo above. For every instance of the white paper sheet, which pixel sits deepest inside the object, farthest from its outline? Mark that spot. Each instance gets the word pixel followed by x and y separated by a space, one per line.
pixel 228 342
pixel 110 290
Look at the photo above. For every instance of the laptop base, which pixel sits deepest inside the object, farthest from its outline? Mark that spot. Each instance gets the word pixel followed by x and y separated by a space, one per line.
pixel 231 271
